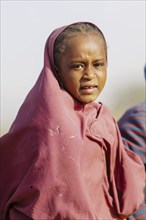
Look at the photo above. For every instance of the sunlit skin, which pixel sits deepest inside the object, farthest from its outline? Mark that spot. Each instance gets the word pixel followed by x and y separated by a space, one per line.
pixel 82 67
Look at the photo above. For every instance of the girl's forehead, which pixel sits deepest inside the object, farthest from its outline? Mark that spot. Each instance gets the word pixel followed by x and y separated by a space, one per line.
pixel 79 41
pixel 86 47
pixel 71 40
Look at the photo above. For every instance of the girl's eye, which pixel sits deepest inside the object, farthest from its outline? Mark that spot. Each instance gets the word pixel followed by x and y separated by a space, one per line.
pixel 78 66
pixel 98 65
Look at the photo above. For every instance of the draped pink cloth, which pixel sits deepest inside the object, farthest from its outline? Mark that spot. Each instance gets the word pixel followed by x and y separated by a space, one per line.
pixel 62 160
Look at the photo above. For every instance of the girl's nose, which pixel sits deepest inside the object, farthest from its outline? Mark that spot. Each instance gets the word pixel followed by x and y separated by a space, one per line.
pixel 89 73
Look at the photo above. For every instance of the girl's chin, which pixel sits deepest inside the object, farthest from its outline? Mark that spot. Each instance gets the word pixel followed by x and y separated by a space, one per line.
pixel 86 100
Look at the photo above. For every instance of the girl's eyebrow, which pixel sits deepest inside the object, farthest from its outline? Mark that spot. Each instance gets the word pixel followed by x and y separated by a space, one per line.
pixel 71 62
pixel 82 60
pixel 99 60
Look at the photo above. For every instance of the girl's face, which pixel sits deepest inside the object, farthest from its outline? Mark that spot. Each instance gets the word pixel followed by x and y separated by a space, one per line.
pixel 82 67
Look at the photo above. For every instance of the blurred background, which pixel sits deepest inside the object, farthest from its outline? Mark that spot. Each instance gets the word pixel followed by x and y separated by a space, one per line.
pixel 26 25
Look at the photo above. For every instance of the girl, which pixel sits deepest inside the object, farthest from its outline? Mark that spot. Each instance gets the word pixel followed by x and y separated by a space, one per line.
pixel 63 157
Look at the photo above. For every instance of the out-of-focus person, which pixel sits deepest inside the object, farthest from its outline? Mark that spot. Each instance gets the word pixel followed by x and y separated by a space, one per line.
pixel 132 126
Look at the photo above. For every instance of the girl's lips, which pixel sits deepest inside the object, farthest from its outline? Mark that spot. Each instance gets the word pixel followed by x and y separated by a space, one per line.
pixel 88 89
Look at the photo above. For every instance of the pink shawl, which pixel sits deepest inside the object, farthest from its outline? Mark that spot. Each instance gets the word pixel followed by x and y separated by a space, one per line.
pixel 65 160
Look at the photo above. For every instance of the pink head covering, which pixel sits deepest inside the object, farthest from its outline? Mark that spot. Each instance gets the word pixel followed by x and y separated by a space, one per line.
pixel 65 160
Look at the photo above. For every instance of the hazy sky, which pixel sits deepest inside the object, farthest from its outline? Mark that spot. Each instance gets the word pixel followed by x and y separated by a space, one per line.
pixel 26 25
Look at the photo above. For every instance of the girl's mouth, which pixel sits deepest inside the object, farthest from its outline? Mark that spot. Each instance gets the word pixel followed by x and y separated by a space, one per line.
pixel 88 88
